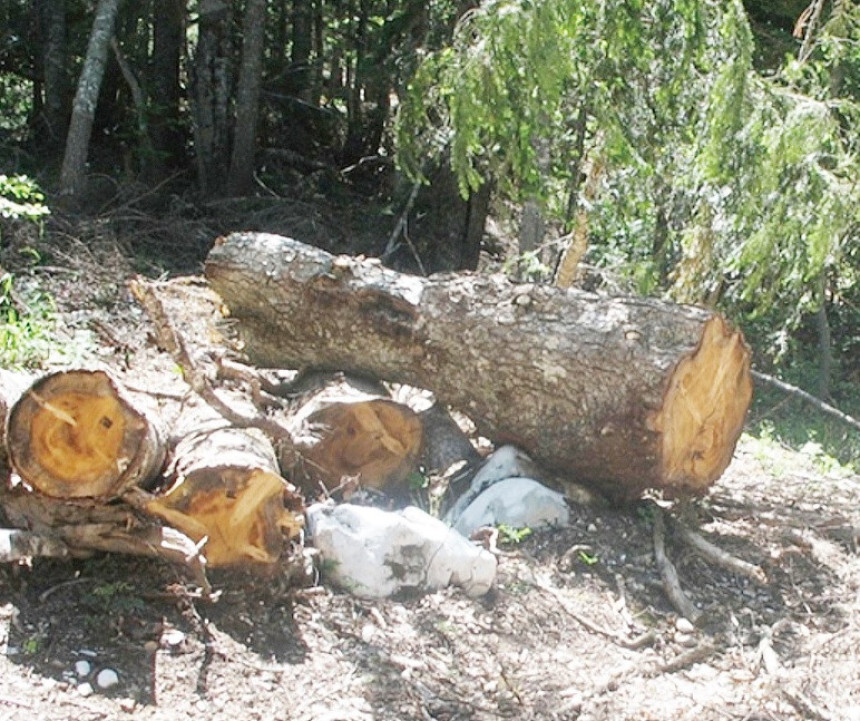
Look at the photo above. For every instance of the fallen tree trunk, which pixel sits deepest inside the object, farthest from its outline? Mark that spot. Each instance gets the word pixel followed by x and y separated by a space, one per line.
pixel 77 434
pixel 621 394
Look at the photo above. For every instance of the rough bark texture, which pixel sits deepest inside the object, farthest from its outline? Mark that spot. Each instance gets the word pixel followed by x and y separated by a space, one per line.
pixel 54 56
pixel 247 98
pixel 227 491
pixel 79 526
pixel 78 434
pixel 211 87
pixel 618 393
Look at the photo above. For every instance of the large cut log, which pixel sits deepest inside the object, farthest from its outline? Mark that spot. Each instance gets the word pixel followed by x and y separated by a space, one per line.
pixel 79 433
pixel 622 394
pixel 227 494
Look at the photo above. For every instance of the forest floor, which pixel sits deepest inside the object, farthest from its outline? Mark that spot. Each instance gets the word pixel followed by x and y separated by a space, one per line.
pixel 577 627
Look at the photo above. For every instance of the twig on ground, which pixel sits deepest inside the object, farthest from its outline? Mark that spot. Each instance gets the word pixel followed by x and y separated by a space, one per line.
pixel 683 660
pixel 641 640
pixel 805 706
pixel 45 595
pixel 671 583
pixel 808 397
pixel 718 556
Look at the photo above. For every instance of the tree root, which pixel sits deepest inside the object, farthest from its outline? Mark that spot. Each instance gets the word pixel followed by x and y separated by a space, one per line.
pixel 717 555
pixel 668 574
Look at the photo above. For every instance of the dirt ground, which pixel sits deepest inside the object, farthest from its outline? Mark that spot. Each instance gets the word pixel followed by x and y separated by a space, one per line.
pixel 578 626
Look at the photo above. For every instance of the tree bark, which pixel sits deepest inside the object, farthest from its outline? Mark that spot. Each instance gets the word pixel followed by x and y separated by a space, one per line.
pixel 248 99
pixel 54 55
pixel 211 90
pixel 168 42
pixel 620 394
pixel 84 109
pixel 77 434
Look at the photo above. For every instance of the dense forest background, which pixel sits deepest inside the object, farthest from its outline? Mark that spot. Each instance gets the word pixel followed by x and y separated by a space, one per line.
pixel 701 151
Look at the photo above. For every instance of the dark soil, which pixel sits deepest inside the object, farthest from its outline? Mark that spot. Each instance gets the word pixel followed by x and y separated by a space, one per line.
pixel 578 627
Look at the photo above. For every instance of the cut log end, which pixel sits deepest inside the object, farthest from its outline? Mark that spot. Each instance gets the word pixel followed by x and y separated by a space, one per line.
pixel 228 493
pixel 377 441
pixel 704 409
pixel 74 435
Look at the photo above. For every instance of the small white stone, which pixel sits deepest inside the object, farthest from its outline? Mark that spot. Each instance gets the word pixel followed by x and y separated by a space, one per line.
pixel 85 689
pixel 684 626
pixel 591 528
pixel 172 637
pixel 83 668
pixel 107 678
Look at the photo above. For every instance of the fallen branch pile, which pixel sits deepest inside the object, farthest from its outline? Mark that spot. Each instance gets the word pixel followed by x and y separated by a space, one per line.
pixel 618 394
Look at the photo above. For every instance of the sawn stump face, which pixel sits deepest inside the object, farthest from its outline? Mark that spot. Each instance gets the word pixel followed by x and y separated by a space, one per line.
pixel 621 394
pixel 75 434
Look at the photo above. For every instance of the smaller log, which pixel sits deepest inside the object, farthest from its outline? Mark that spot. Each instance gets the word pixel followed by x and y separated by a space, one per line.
pixel 77 527
pixel 78 434
pixel 343 431
pixel 227 493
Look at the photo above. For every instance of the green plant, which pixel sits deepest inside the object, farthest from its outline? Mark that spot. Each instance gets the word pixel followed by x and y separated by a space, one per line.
pixel 588 559
pixel 509 534
pixel 27 321
pixel 116 596
pixel 21 198
pixel 31 646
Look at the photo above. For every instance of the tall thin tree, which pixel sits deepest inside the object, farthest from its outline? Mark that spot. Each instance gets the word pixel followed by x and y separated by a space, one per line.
pixel 248 98
pixel 73 171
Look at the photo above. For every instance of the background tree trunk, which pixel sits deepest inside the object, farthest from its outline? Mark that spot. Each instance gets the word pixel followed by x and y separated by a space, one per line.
pixel 248 98
pixel 618 393
pixel 212 86
pixel 168 43
pixel 56 84
pixel 87 95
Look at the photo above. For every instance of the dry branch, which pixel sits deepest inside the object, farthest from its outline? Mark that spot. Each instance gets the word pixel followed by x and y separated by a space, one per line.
pixel 718 556
pixel 808 397
pixel 619 393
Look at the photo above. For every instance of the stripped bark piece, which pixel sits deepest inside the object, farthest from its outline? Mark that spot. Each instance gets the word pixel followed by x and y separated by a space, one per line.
pixel 78 433
pixel 228 493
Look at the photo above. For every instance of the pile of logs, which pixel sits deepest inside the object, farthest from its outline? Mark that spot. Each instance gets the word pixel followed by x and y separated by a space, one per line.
pixel 616 394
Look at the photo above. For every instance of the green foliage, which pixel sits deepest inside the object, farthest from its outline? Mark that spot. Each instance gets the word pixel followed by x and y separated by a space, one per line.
pixel 21 198
pixel 510 535
pixel 721 185
pixel 27 321
pixel 15 96
pixel 114 597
